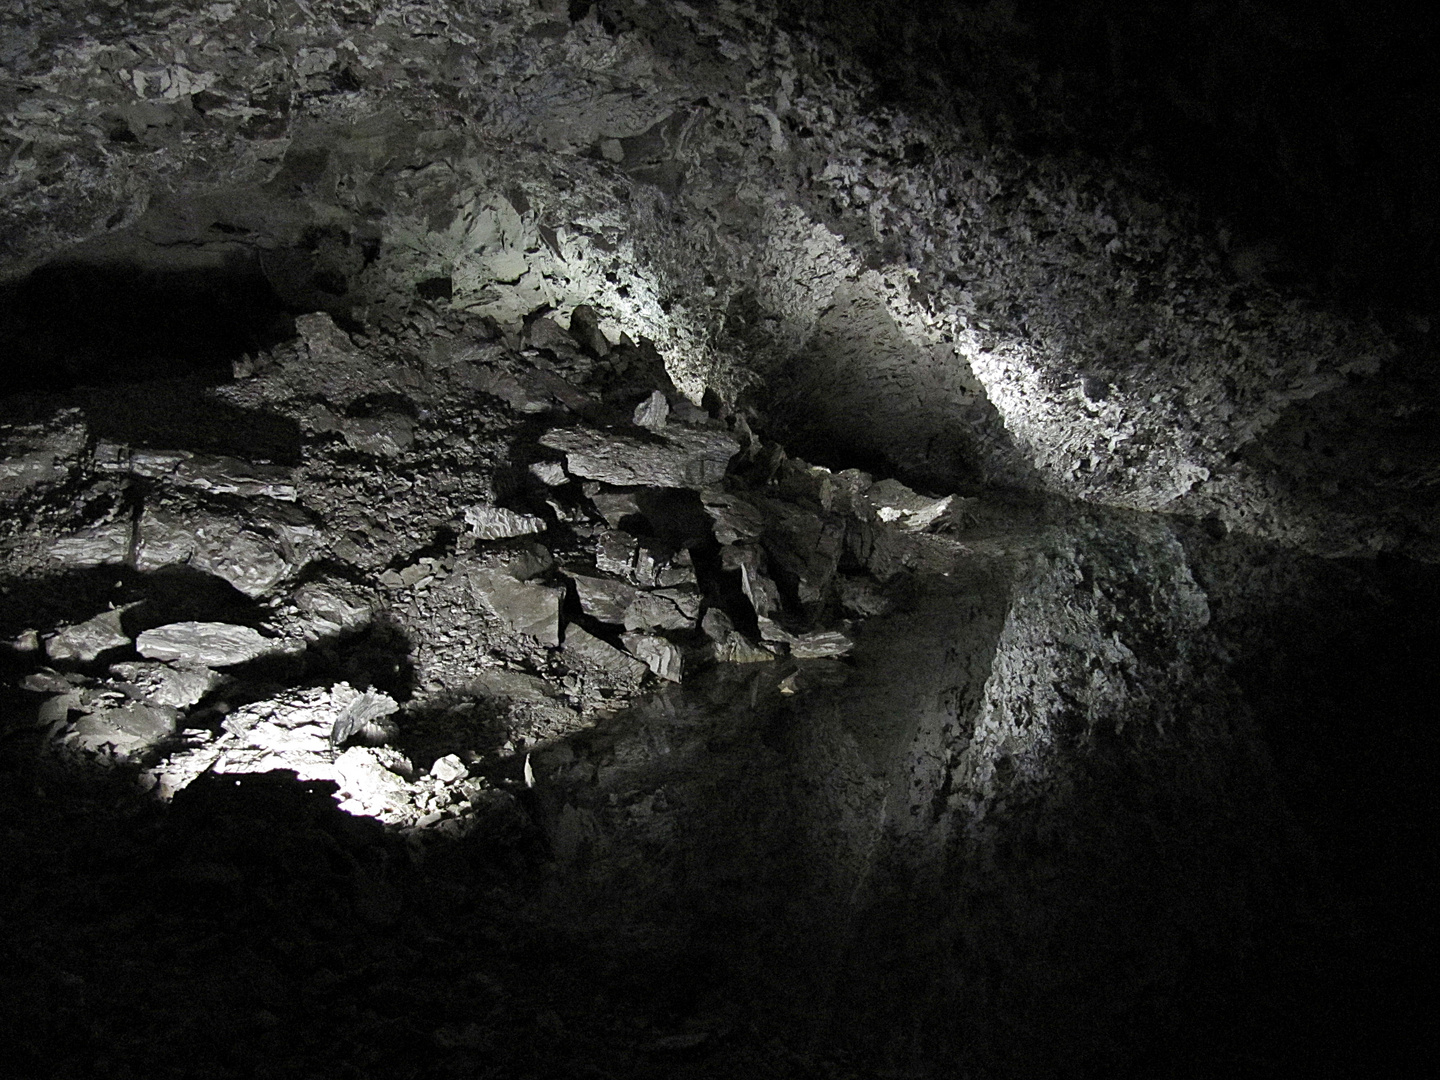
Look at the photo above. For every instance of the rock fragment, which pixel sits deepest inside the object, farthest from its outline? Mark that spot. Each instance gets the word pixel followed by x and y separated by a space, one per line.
pixel 681 458
pixel 449 769
pixel 497 523
pixel 203 644
pixel 85 641
pixel 125 730
pixel 820 644
pixel 661 656
pixel 165 684
pixel 652 412
pixel 102 545
pixel 524 607
pixel 584 650
pixel 585 329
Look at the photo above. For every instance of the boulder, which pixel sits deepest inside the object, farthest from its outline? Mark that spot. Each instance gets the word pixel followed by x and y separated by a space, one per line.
pixel 524 607
pixel 662 657
pixel 85 641
pixel 203 644
pixel 164 684
pixel 681 458
pixel 497 523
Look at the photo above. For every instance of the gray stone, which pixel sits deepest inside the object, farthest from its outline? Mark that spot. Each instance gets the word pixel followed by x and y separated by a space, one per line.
pixel 214 473
pixel 615 552
pixel 524 607
pixel 661 656
pixel 894 503
pixel 126 730
pixel 203 644
pixel 549 473
pixel 681 458
pixel 652 412
pixel 103 545
pixel 604 598
pixel 449 769
pixel 820 643
pixel 734 519
pixel 85 641
pixel 331 607
pixel 249 560
pixel 584 649
pixel 619 602
pixel 497 523
pixel 585 329
pixel 164 684
pixel 36 454
pixel 365 717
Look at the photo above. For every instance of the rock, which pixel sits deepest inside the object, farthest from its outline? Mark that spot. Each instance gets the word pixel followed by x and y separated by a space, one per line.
pixel 33 454
pixel 819 644
pixel 681 458
pixel 203 644
pixel 103 545
pixel 496 523
pixel 524 607
pixel 584 649
pixel 652 412
pixel 894 503
pixel 386 435
pixel 26 642
pixel 729 646
pixel 364 717
pixel 213 473
pixel 449 769
pixel 585 329
pixel 760 590
pixel 545 333
pixel 331 607
pixel 619 602
pixel 126 730
pixel 163 684
pixel 85 641
pixel 549 473
pixel 254 562
pixel 734 518
pixel 662 657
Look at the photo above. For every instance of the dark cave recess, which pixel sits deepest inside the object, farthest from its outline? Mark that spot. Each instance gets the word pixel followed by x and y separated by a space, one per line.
pixel 78 323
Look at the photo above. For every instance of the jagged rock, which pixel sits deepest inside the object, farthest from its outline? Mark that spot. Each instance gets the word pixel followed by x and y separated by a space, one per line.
pixel 497 523
pixel 448 769
pixel 39 453
pixel 546 333
pixel 585 329
pixel 760 590
pixel 253 562
pixel 364 717
pixel 549 473
pixel 662 657
pixel 819 644
pixel 203 644
pixel 652 412
pixel 681 458
pixel 331 607
pixel 584 649
pixel 894 503
pixel 164 684
pixel 862 597
pixel 735 519
pixel 102 545
pixel 728 645
pixel 614 506
pixel 213 473
pixel 85 641
pixel 524 607
pixel 619 602
pixel 125 730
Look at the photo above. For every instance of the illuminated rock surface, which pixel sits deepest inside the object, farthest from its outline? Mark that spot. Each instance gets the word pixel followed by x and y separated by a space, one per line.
pixel 643 539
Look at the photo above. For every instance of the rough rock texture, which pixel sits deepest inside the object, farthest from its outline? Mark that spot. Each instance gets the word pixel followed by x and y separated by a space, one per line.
pixel 810 583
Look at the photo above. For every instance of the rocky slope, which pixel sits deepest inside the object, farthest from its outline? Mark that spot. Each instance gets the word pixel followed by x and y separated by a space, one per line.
pixel 805 589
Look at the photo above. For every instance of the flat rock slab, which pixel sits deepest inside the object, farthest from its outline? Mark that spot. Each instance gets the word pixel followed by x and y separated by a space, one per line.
pixel 587 650
pixel 523 606
pixel 86 641
pixel 662 657
pixel 203 644
pixel 681 458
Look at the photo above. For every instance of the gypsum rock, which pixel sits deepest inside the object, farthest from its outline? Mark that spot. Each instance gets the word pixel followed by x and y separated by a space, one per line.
pixel 203 644
pixel 85 641
pixel 681 458
pixel 164 684
pixel 212 473
pixel 365 718
pixel 497 523
pixel 662 657
pixel 524 607
pixel 585 651
pixel 617 602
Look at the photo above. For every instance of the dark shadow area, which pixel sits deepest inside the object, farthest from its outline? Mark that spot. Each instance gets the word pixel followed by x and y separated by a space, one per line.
pixel 1306 127
pixel 1340 676
pixel 73 324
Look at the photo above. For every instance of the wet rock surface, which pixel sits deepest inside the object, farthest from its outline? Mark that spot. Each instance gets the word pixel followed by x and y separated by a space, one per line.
pixel 628 553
